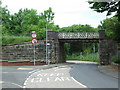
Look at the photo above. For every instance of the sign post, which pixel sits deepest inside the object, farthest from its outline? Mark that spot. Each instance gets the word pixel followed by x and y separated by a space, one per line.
pixel 48 47
pixel 34 41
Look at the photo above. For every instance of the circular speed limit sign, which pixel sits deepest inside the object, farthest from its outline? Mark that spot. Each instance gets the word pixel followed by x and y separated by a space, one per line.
pixel 34 35
pixel 34 41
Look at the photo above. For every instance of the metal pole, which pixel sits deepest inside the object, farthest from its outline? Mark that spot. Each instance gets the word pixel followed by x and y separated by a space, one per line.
pixel 46 46
pixel 48 59
pixel 34 54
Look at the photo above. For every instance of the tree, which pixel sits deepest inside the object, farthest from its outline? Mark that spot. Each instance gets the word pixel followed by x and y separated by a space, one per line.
pixel 21 21
pixel 78 28
pixel 110 7
pixel 46 19
pixel 112 26
pixel 5 19
pixel 27 20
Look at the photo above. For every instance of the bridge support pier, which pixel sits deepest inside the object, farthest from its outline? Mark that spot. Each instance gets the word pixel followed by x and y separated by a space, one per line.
pixel 62 54
pixel 57 48
pixel 107 48
pixel 103 48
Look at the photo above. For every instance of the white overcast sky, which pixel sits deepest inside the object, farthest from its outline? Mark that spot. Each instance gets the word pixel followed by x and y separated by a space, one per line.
pixel 67 12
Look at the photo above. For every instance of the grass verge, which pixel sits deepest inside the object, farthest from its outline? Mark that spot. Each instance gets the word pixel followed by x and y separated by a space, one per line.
pixel 89 57
pixel 14 39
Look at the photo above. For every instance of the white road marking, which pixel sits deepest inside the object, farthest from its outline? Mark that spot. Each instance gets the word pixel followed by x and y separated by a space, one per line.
pixel 39 75
pixel 35 79
pixel 1 81
pixel 67 78
pixel 6 72
pixel 25 68
pixel 48 79
pixel 42 77
pixel 45 74
pixel 12 83
pixel 62 78
pixel 33 71
pixel 51 74
pixel 17 85
pixel 58 74
pixel 79 82
pixel 58 79
pixel 23 87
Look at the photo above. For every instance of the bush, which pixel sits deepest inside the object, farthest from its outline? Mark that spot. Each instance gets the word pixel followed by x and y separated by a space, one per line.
pixel 115 60
pixel 90 57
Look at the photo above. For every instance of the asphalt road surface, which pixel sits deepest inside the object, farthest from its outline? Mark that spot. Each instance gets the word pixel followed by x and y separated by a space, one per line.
pixel 15 76
pixel 58 77
pixel 70 75
pixel 89 75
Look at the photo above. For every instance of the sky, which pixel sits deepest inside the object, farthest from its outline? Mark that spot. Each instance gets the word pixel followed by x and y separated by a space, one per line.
pixel 67 12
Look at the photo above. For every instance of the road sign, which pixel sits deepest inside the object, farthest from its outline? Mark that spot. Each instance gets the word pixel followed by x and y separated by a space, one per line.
pixel 34 41
pixel 34 34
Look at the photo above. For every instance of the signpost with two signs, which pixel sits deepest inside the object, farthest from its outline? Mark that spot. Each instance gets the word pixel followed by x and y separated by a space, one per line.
pixel 34 41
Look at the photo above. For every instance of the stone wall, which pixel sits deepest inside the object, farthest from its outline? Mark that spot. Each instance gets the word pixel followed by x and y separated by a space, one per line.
pixel 107 50
pixel 24 51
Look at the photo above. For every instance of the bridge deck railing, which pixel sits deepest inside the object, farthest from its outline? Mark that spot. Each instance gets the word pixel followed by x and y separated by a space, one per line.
pixel 78 35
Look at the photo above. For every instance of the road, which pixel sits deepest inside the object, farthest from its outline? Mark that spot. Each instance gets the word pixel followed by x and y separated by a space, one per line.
pixel 70 75
pixel 58 77
pixel 15 76
pixel 89 75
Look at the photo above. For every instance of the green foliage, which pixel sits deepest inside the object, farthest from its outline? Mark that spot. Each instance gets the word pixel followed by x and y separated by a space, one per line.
pixel 110 7
pixel 87 50
pixel 90 57
pixel 78 28
pixel 115 60
pixel 112 26
pixel 25 21
pixel 14 39
pixel 77 48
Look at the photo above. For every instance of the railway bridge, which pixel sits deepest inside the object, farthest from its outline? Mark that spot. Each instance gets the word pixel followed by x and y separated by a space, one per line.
pixel 58 39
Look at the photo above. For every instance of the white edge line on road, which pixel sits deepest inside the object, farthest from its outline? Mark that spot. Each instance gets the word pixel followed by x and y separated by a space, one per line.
pixel 33 71
pixel 79 82
pixel 13 84
pixel 17 85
